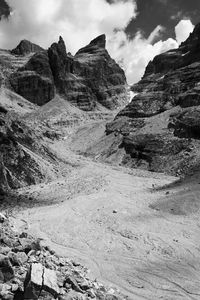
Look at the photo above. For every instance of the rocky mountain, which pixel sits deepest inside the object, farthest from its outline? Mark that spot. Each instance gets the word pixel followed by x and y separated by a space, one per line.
pixel 26 47
pixel 159 128
pixel 88 79
pixel 30 77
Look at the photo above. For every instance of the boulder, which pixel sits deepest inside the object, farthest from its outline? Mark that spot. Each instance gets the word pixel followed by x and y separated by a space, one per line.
pixel 18 259
pixel 5 292
pixel 38 280
pixel 186 124
pixel 71 280
pixel 6 270
pixel 50 284
pixel 34 282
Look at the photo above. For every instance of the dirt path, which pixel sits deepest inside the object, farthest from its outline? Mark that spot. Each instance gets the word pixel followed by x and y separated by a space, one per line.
pixel 126 230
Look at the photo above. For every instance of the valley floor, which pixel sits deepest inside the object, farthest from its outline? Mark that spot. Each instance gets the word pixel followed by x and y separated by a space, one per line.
pixel 135 230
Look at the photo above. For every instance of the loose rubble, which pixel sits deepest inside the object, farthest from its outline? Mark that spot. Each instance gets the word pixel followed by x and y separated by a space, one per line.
pixel 30 271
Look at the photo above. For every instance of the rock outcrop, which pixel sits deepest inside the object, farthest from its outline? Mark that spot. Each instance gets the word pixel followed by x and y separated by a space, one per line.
pixel 159 127
pixel 68 84
pixel 101 73
pixel 34 81
pixel 25 47
pixel 23 158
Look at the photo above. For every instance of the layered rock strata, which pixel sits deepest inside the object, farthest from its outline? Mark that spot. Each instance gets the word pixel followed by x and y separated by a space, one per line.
pixel 159 127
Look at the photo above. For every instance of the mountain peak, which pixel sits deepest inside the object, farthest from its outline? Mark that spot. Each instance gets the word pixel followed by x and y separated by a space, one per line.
pixel 99 41
pixel 26 47
pixel 61 46
pixel 193 41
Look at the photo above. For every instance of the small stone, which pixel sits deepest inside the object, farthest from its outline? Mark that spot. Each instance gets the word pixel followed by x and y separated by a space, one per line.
pixel 111 297
pixel 72 295
pixel 72 281
pixel 8 296
pixel 114 211
pixel 32 259
pixel 30 253
pixel 2 218
pixel 14 287
pixel 23 235
pixel 91 294
pixel 67 286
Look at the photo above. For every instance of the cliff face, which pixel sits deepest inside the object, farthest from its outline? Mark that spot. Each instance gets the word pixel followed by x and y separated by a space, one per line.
pixel 102 75
pixel 34 81
pixel 89 78
pixel 159 127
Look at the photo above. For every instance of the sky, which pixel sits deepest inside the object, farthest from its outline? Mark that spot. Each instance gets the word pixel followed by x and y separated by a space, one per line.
pixel 136 30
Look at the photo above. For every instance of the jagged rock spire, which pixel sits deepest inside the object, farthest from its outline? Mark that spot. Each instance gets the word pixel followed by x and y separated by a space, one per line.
pixel 99 41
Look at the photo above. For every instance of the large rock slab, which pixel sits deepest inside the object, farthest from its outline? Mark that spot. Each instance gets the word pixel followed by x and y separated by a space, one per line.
pixel 50 284
pixel 38 280
pixel 34 282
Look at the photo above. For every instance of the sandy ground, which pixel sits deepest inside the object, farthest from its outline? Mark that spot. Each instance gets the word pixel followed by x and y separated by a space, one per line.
pixel 128 230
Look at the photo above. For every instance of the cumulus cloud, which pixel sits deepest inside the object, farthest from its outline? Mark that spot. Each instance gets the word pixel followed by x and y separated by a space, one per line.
pixel 79 21
pixel 42 21
pixel 183 29
pixel 137 52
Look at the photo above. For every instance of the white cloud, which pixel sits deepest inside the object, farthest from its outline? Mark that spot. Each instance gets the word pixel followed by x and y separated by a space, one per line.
pixel 42 21
pixel 155 33
pixel 135 54
pixel 79 21
pixel 183 29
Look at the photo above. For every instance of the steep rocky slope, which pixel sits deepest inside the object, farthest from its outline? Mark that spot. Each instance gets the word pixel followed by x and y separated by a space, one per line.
pixel 24 159
pixel 159 129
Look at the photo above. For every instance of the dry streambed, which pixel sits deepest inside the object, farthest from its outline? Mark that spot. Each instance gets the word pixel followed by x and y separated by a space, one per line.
pixel 128 231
